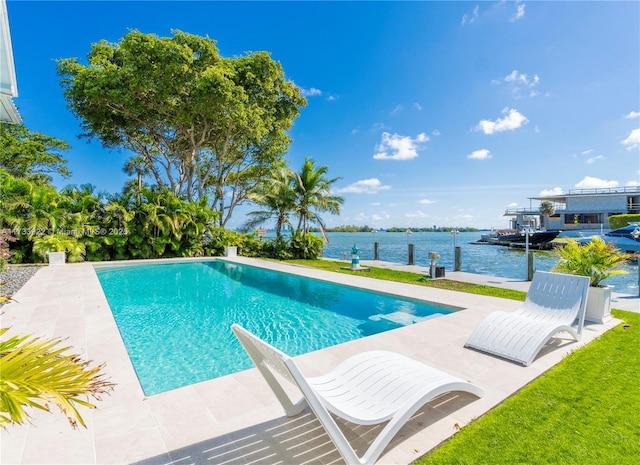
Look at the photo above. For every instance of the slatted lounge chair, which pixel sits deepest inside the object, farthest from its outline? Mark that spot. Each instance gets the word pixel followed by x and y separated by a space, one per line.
pixel 366 389
pixel 553 304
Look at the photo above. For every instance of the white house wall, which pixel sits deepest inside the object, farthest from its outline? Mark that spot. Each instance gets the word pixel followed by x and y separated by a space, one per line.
pixel 597 203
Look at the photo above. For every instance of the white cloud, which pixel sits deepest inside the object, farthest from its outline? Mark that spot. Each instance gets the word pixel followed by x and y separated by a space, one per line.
pixel 365 186
pixel 416 214
pixel 632 183
pixel 311 92
pixel 520 83
pixel 470 19
pixel 378 127
pixel 331 98
pixel 417 106
pixel 397 147
pixel 519 14
pixel 586 152
pixel 397 110
pixel 512 120
pixel 427 201
pixel 633 140
pixel 482 154
pixel 554 191
pixel 632 114
pixel 435 132
pixel 375 217
pixel 512 205
pixel 594 183
pixel 594 159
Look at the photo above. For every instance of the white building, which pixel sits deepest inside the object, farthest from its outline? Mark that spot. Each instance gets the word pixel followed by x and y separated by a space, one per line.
pixel 8 82
pixel 579 209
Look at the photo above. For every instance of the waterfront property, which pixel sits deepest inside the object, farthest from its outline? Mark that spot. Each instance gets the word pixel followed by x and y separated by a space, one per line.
pixel 229 420
pixel 579 209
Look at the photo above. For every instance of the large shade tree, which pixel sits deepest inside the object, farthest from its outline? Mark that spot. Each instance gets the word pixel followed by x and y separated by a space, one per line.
pixel 200 124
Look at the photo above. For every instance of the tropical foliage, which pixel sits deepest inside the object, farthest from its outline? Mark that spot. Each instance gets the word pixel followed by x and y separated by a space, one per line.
pixel 199 124
pixel 31 155
pixel 596 259
pixel 277 199
pixel 303 194
pixel 208 133
pixel 313 194
pixel 154 223
pixel 36 372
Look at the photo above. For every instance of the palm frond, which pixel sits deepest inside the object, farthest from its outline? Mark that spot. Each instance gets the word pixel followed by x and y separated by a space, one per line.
pixel 35 372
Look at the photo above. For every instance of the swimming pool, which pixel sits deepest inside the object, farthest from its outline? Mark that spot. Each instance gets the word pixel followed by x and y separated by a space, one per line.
pixel 175 318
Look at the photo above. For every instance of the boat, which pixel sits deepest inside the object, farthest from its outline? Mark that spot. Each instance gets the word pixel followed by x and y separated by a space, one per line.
pixel 626 238
pixel 536 237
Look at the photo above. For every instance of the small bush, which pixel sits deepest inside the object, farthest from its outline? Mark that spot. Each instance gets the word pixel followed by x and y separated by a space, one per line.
pixel 277 248
pixel 306 246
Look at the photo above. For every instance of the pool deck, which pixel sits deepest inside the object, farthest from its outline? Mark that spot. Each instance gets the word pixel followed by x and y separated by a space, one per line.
pixel 236 419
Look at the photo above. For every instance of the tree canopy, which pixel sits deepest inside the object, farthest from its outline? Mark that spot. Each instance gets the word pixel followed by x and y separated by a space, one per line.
pixel 31 155
pixel 198 123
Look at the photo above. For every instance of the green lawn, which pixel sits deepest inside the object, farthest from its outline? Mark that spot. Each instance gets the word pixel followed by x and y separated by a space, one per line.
pixel 412 278
pixel 584 411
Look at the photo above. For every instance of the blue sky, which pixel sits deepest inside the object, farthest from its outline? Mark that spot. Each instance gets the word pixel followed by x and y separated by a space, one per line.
pixel 432 113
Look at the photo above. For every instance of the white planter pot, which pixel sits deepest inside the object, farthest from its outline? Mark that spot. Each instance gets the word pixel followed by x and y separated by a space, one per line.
pixel 231 251
pixel 56 258
pixel 598 305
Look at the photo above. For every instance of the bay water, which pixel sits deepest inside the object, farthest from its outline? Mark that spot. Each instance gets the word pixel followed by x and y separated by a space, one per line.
pixel 492 260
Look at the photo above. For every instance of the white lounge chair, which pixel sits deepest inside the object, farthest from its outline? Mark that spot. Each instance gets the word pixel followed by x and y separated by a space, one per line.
pixel 366 389
pixel 552 305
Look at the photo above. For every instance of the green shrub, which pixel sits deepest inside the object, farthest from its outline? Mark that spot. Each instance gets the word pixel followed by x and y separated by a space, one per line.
pixel 74 249
pixel 277 248
pixel 216 239
pixel 251 246
pixel 620 221
pixel 305 246
pixel 596 259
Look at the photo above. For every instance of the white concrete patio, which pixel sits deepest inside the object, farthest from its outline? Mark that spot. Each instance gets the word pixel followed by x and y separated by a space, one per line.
pixel 236 419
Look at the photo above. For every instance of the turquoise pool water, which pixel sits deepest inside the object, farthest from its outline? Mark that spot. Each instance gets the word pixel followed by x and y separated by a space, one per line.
pixel 175 318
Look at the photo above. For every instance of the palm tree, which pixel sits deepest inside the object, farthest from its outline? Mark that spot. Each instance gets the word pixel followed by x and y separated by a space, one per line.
pixel 278 197
pixel 546 210
pixel 313 195
pixel 31 209
pixel 140 167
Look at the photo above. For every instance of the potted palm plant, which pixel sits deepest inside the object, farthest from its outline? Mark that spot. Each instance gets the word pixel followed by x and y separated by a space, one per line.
pixel 58 247
pixel 598 260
